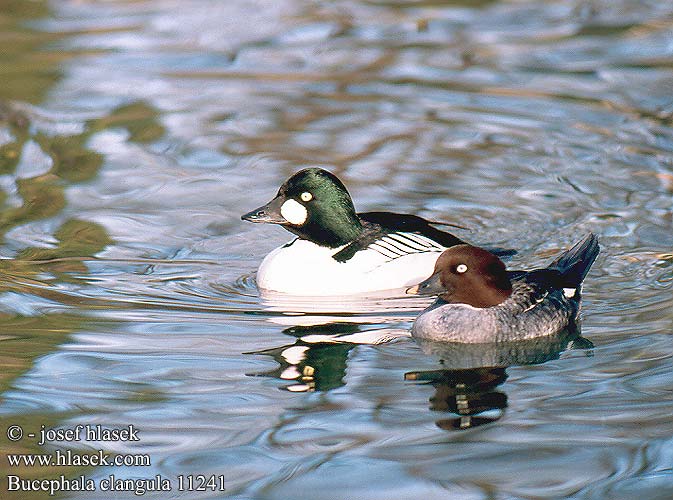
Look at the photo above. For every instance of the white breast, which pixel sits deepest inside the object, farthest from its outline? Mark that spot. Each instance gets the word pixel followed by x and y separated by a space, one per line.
pixel 304 268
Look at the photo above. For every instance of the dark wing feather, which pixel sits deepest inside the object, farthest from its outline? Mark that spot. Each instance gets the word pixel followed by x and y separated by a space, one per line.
pixel 532 287
pixel 568 270
pixel 574 264
pixel 407 223
pixel 395 235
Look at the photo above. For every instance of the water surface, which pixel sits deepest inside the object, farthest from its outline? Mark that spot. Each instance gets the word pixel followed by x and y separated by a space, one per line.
pixel 133 134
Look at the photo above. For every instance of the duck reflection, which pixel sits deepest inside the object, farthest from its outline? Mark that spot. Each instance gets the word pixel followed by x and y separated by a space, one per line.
pixel 466 386
pixel 317 360
pixel 328 328
pixel 468 394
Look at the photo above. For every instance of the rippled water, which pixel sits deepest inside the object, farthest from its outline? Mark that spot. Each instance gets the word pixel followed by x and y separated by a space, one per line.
pixel 133 134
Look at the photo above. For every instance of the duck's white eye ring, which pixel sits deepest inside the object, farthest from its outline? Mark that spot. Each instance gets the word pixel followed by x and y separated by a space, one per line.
pixel 306 196
pixel 461 268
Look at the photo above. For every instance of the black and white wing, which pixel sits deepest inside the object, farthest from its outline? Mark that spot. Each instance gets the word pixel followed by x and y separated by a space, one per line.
pixel 392 245
pixel 398 244
pixel 396 235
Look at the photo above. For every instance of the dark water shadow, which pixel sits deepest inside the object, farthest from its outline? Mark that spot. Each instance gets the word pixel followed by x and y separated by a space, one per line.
pixel 312 366
pixel 317 359
pixel 466 387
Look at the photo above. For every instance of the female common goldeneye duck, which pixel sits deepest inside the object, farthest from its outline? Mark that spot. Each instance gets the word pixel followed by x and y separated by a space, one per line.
pixel 480 301
pixel 338 251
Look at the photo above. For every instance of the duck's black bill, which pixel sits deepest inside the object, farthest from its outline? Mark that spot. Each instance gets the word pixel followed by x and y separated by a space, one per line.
pixel 269 213
pixel 431 286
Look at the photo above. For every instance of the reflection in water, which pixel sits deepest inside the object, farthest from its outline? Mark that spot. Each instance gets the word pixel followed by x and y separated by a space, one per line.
pixel 143 127
pixel 38 162
pixel 37 168
pixel 371 307
pixel 319 367
pixel 27 71
pixel 466 385
pixel 34 319
pixel 327 329
pixel 317 361
pixel 469 394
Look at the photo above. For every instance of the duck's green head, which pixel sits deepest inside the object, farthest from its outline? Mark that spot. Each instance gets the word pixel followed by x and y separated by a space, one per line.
pixel 314 205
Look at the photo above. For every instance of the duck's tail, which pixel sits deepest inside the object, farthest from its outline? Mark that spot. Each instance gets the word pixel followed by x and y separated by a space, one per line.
pixel 574 264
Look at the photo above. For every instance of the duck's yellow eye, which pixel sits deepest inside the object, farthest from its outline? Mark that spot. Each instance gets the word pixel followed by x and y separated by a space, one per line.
pixel 461 268
pixel 306 196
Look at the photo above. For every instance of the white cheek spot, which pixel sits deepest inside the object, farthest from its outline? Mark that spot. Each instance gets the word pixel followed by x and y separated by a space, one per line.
pixel 294 212
pixel 306 196
pixel 569 292
pixel 462 268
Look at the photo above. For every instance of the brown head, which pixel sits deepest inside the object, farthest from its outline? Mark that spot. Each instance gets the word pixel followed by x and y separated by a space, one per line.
pixel 465 274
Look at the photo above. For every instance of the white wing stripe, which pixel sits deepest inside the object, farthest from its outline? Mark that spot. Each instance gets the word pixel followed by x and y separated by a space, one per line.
pixel 414 245
pixel 424 239
pixel 394 245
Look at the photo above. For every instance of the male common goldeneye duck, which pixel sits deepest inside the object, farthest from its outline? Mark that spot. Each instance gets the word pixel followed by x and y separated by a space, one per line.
pixel 480 301
pixel 339 251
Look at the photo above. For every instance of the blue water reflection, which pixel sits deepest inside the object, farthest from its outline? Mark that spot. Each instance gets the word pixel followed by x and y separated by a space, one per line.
pixel 134 134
